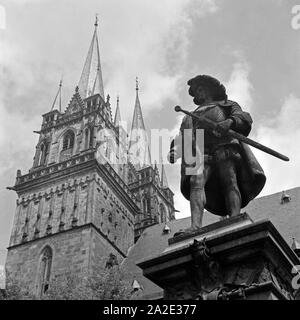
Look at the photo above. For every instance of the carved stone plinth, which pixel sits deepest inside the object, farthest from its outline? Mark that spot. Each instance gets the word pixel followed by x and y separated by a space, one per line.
pixel 231 259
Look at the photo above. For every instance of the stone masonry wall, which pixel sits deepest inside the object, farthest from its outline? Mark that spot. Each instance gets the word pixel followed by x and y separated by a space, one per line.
pixel 71 252
pixel 53 205
pixel 112 216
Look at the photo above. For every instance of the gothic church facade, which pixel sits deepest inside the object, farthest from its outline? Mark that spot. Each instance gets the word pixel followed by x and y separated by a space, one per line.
pixel 82 203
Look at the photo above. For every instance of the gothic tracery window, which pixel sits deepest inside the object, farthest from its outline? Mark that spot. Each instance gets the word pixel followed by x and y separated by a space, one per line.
pixel 91 138
pixel 145 206
pixel 88 137
pixel 162 211
pixel 45 269
pixel 130 177
pixel 155 205
pixel 44 150
pixel 112 261
pixel 68 141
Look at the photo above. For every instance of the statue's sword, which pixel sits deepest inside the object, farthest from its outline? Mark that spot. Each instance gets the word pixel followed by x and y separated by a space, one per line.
pixel 211 125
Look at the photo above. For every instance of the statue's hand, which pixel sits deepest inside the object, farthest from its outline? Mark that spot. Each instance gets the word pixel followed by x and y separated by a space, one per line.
pixel 223 127
pixel 171 157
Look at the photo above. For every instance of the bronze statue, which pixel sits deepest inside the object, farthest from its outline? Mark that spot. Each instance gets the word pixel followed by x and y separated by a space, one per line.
pixel 231 175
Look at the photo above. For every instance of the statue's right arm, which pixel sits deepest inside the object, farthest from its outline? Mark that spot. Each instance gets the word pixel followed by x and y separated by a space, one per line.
pixel 176 144
pixel 175 149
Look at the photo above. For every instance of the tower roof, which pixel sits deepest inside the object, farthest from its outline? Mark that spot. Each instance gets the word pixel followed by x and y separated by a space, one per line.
pixel 91 82
pixel 139 152
pixel 163 179
pixel 138 120
pixel 117 119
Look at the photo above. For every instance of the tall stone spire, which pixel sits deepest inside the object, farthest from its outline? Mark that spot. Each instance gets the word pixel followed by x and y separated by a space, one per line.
pixel 163 179
pixel 139 152
pixel 91 82
pixel 117 119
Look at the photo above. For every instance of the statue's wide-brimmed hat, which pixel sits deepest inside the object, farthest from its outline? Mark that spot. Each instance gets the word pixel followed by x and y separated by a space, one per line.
pixel 215 87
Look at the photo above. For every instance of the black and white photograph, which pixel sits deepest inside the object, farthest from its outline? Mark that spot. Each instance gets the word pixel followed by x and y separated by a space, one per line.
pixel 150 152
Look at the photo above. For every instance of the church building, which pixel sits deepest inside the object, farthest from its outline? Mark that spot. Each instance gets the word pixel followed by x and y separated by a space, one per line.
pixel 86 199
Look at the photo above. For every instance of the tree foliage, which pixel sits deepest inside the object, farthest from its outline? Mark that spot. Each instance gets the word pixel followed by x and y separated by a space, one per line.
pixel 15 291
pixel 102 284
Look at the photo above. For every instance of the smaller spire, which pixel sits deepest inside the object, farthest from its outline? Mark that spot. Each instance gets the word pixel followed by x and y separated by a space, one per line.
pixel 117 119
pixel 60 85
pixel 138 144
pixel 137 84
pixel 96 21
pixel 163 180
pixel 58 95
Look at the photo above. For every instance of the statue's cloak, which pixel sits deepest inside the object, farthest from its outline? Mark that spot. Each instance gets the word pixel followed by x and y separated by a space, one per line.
pixel 251 180
pixel 250 175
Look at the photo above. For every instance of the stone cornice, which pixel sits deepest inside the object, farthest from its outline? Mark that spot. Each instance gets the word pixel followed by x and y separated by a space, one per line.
pixel 68 231
pixel 52 172
pixel 82 162
pixel 262 232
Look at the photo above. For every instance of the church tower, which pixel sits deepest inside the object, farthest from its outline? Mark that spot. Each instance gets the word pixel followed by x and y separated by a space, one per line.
pixel 75 210
pixel 149 186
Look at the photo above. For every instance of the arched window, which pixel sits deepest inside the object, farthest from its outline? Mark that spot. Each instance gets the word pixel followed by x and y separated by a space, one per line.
pixel 155 205
pixel 162 212
pixel 107 150
pixel 91 140
pixel 112 261
pixel 145 207
pixel 45 269
pixel 88 137
pixel 44 150
pixel 130 177
pixel 68 141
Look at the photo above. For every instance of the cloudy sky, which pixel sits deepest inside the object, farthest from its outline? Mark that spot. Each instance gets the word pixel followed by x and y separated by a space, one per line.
pixel 249 45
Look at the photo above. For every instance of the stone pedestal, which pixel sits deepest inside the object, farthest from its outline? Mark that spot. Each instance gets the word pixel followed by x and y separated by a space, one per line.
pixel 231 259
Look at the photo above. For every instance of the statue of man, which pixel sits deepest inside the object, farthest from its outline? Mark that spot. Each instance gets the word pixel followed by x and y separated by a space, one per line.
pixel 231 175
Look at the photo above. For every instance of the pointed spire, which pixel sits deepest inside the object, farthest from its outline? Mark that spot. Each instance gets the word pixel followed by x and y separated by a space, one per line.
pixel 139 152
pixel 117 119
pixel 163 179
pixel 57 102
pixel 91 82
pixel 96 21
pixel 138 120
